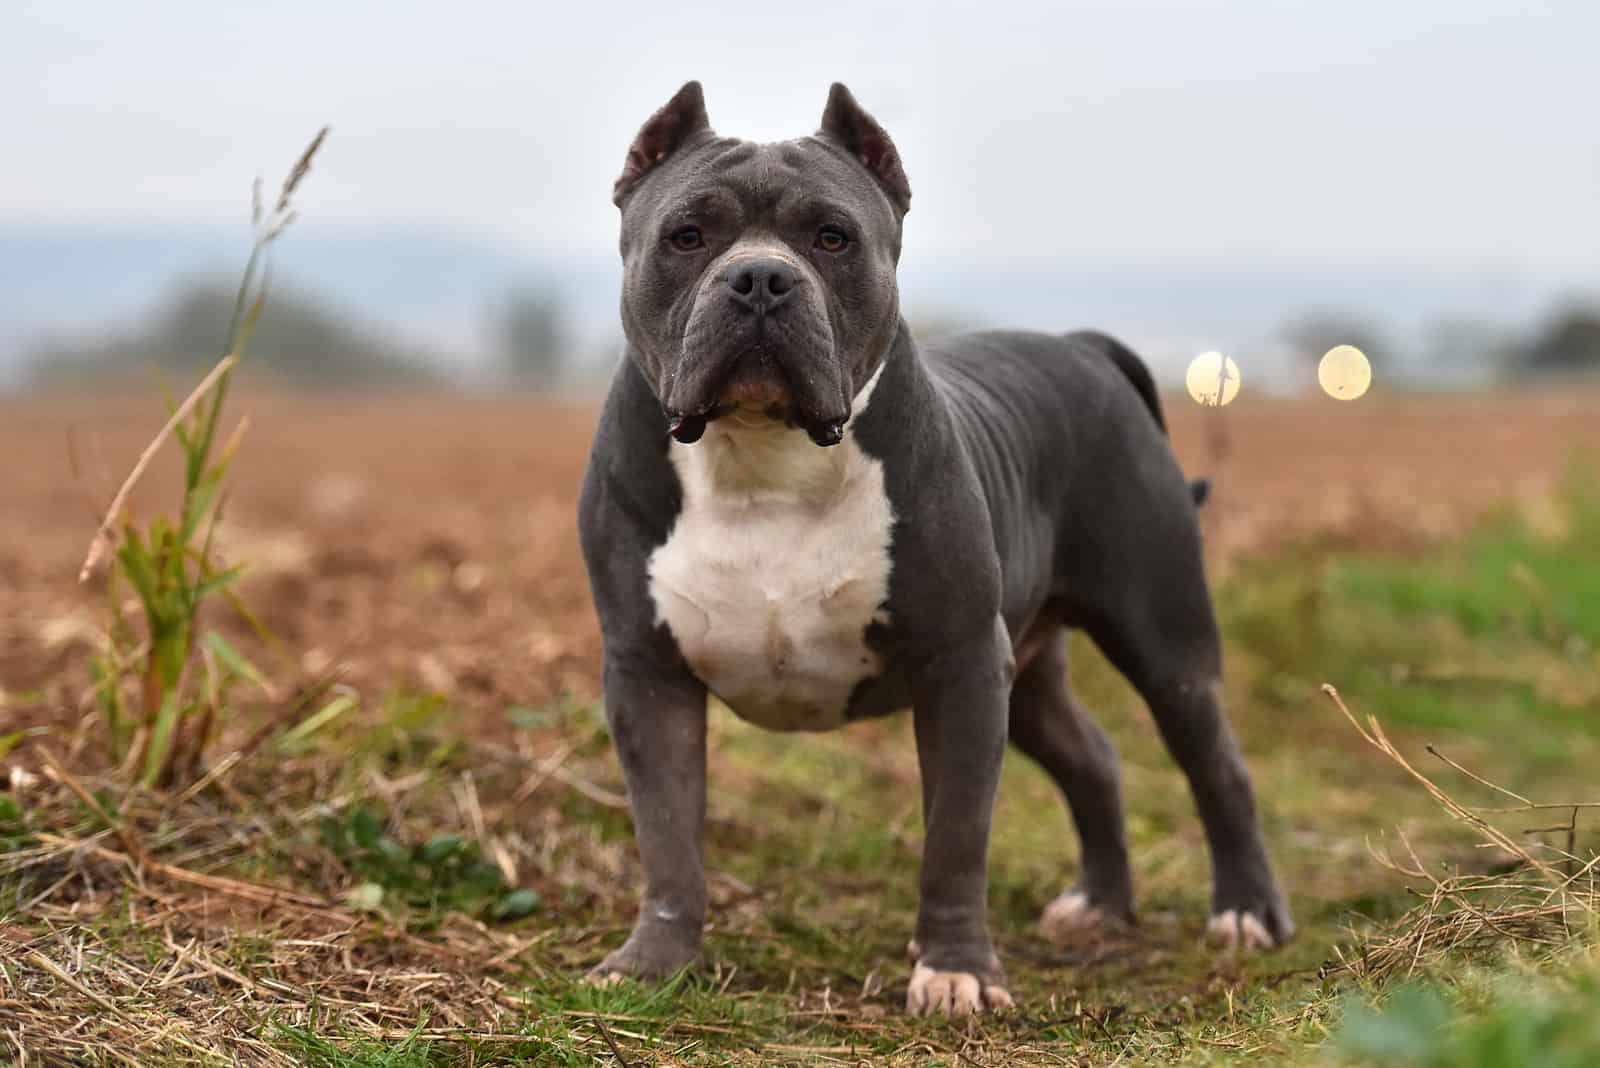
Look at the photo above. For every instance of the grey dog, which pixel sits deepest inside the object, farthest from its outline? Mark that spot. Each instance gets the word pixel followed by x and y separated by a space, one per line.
pixel 792 505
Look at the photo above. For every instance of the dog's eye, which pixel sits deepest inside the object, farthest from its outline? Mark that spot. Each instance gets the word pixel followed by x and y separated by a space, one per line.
pixel 687 239
pixel 832 239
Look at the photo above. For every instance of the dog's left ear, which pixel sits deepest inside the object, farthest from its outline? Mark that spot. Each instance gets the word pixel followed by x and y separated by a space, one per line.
pixel 848 125
pixel 679 119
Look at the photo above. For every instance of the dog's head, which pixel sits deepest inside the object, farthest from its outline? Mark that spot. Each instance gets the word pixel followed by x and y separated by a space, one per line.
pixel 759 280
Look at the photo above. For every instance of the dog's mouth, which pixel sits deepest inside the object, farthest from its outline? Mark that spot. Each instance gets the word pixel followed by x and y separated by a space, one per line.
pixel 687 429
pixel 755 394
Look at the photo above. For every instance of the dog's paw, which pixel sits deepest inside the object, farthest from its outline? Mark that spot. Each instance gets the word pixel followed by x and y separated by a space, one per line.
pixel 1072 917
pixel 936 993
pixel 645 957
pixel 1233 930
pixel 1248 909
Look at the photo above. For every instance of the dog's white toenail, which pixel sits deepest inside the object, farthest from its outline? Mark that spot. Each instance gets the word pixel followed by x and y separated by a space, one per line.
pixel 1234 930
pixel 998 999
pixel 1253 934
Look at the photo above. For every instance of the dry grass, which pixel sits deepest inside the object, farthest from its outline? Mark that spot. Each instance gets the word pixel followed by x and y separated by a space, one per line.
pixel 1542 895
pixel 129 956
pixel 220 926
pixel 138 963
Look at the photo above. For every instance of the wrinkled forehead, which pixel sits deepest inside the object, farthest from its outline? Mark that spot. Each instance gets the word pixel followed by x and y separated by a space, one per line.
pixel 765 181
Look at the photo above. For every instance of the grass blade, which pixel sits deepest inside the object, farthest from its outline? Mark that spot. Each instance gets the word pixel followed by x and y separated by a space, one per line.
pixel 236 662
pixel 317 720
pixel 155 757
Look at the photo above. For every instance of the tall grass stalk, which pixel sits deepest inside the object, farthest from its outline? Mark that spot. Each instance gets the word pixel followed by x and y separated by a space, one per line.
pixel 161 692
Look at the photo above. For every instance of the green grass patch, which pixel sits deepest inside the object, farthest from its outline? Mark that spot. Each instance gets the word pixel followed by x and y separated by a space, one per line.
pixel 13 826
pixel 1493 638
pixel 1484 1019
pixel 446 873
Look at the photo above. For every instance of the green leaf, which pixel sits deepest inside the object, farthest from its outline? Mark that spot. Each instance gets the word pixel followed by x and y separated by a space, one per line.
pixel 441 848
pixel 185 442
pixel 10 741
pixel 250 619
pixel 197 503
pixel 220 580
pixel 397 856
pixel 170 644
pixel 366 827
pixel 317 720
pixel 211 530
pixel 367 897
pixel 160 739
pixel 139 569
pixel 236 663
pixel 108 805
pixel 170 556
pixel 515 905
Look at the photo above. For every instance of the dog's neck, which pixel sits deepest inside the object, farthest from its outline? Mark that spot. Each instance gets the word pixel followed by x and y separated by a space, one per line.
pixel 741 462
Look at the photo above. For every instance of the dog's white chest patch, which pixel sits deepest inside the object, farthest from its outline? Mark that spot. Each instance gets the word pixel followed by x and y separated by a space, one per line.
pixel 776 566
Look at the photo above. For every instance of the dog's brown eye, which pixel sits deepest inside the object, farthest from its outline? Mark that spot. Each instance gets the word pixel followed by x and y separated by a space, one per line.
pixel 831 239
pixel 687 239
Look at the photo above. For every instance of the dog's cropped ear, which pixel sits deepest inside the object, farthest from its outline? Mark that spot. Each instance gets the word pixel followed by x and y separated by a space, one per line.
pixel 845 123
pixel 679 119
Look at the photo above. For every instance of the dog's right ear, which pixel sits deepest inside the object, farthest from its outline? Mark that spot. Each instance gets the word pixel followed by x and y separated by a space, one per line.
pixel 847 124
pixel 679 119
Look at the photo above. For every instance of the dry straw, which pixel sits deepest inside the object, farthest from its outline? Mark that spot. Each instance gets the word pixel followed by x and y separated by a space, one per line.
pixel 1541 896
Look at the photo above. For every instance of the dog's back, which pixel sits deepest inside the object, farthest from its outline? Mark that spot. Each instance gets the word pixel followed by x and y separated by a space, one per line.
pixel 1069 428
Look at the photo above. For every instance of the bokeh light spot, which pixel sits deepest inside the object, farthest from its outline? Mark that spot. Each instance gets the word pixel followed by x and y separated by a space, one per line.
pixel 1213 379
pixel 1345 373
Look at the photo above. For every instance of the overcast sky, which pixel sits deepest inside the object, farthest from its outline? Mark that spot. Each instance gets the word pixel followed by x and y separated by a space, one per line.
pixel 1452 134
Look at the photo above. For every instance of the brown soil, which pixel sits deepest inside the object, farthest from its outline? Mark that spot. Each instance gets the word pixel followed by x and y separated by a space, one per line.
pixel 430 542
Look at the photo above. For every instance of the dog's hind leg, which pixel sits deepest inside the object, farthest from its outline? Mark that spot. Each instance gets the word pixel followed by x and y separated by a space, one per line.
pixel 1052 728
pixel 1173 658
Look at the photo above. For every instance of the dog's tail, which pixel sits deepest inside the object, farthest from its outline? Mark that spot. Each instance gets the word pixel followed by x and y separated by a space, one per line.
pixel 1134 370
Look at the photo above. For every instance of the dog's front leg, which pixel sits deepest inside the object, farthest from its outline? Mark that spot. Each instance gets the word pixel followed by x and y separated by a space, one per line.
pixel 658 728
pixel 960 697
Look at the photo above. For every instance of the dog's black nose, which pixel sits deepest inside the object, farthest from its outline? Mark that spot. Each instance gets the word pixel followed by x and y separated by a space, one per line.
pixel 761 283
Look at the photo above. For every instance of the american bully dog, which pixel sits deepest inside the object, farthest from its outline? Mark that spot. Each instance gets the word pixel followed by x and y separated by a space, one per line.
pixel 792 505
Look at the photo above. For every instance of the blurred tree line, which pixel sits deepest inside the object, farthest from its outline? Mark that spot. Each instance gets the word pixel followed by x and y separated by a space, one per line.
pixel 1570 342
pixel 533 336
pixel 302 340
pixel 297 339
pixel 1567 343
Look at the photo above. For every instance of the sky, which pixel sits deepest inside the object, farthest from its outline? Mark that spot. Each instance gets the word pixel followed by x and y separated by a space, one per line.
pixel 1429 137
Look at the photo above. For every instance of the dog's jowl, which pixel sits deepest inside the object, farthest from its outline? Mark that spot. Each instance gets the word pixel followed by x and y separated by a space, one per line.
pixel 792 505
